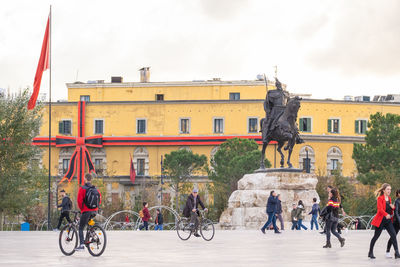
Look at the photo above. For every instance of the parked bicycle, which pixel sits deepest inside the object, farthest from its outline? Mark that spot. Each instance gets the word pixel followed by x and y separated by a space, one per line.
pixel 95 239
pixel 185 229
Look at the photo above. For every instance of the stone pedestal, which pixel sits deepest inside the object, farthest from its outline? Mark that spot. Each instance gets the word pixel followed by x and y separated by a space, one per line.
pixel 247 205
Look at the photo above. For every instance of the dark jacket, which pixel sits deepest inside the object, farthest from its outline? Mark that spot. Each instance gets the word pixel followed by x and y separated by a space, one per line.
pixel 190 205
pixel 293 215
pixel 66 204
pixel 159 219
pixel 315 210
pixel 333 208
pixel 299 212
pixel 279 207
pixel 397 210
pixel 272 204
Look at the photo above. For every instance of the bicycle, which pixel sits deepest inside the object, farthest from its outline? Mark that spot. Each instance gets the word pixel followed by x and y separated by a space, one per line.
pixel 95 239
pixel 185 230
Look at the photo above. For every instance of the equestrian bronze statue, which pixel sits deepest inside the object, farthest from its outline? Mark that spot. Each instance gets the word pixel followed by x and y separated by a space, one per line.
pixel 280 123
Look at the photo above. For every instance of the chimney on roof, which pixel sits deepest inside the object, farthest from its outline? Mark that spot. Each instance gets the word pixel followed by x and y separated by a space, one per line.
pixel 145 75
pixel 116 79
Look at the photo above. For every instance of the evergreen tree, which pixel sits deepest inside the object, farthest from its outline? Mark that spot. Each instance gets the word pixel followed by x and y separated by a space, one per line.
pixel 179 166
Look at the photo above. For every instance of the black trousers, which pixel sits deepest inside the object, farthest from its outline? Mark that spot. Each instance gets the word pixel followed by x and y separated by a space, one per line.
pixel 85 217
pixel 396 226
pixel 145 225
pixel 331 227
pixel 388 225
pixel 66 215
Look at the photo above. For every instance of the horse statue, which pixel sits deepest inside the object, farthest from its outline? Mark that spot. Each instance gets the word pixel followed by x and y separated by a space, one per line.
pixel 283 129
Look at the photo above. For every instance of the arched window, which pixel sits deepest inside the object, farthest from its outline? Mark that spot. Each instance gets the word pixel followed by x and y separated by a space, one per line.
pixel 334 160
pixel 304 152
pixel 141 161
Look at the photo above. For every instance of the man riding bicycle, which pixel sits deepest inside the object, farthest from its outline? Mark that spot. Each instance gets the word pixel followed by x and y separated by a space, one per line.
pixel 89 198
pixel 191 209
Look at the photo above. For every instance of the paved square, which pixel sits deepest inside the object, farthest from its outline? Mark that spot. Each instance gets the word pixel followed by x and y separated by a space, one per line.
pixel 228 248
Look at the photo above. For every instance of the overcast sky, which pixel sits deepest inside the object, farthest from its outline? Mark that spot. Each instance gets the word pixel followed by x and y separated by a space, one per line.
pixel 326 48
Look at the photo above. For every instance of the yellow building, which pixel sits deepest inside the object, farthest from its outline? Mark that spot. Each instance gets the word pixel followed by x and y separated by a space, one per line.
pixel 148 120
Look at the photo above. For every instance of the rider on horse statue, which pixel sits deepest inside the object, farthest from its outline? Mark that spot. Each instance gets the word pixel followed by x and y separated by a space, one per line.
pixel 274 106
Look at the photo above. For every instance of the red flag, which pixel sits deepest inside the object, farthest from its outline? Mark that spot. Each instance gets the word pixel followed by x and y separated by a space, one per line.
pixel 132 173
pixel 42 66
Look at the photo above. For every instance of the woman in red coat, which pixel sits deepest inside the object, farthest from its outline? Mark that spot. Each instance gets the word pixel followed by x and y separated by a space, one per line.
pixel 383 219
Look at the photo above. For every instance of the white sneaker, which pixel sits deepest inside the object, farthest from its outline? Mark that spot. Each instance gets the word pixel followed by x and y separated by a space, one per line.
pixel 80 248
pixel 388 255
pixel 55 230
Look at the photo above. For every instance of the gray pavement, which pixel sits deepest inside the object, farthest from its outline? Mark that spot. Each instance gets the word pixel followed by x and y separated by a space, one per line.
pixel 228 248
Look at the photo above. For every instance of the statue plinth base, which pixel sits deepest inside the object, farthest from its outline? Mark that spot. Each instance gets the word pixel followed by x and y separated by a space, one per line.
pixel 279 170
pixel 247 205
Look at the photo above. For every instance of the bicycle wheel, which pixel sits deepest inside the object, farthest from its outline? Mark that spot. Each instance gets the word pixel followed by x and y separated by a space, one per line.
pixel 207 230
pixel 96 240
pixel 68 240
pixel 183 229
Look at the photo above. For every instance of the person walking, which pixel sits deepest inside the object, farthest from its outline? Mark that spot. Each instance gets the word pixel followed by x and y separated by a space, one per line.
pixel 146 217
pixel 159 221
pixel 293 214
pixel 271 211
pixel 383 219
pixel 66 205
pixel 332 218
pixel 328 189
pixel 300 216
pixel 279 212
pixel 315 211
pixel 396 221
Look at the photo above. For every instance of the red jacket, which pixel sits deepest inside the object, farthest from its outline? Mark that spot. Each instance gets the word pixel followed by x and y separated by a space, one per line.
pixel 146 215
pixel 81 197
pixel 381 210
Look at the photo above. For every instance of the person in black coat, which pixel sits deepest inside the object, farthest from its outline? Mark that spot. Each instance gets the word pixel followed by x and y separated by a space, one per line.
pixel 65 206
pixel 396 221
pixel 191 209
pixel 272 207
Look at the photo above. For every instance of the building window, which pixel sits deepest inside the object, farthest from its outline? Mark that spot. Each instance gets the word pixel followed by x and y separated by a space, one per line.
pixel 65 165
pixel 305 125
pixel 85 98
pixel 333 126
pixel 361 126
pixel 141 126
pixel 159 97
pixel 234 96
pixel 334 164
pixel 64 127
pixel 184 126
pixel 140 166
pixel 98 165
pixel 253 125
pixel 98 127
pixel 218 125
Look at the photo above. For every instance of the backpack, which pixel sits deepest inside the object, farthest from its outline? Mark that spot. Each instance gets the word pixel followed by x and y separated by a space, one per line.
pixel 69 205
pixel 92 197
pixel 141 214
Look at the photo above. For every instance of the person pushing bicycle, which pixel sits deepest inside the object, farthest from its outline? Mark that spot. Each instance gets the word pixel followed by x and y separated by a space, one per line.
pixel 191 209
pixel 89 199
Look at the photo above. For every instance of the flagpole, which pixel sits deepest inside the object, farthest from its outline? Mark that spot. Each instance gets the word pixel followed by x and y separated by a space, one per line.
pixel 48 197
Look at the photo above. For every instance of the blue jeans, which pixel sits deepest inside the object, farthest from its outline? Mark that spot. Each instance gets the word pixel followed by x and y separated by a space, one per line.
pixel 294 225
pixel 271 219
pixel 301 225
pixel 314 221
pixel 158 227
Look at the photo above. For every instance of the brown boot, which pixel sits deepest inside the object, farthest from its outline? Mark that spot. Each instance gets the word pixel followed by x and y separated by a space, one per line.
pixel 328 244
